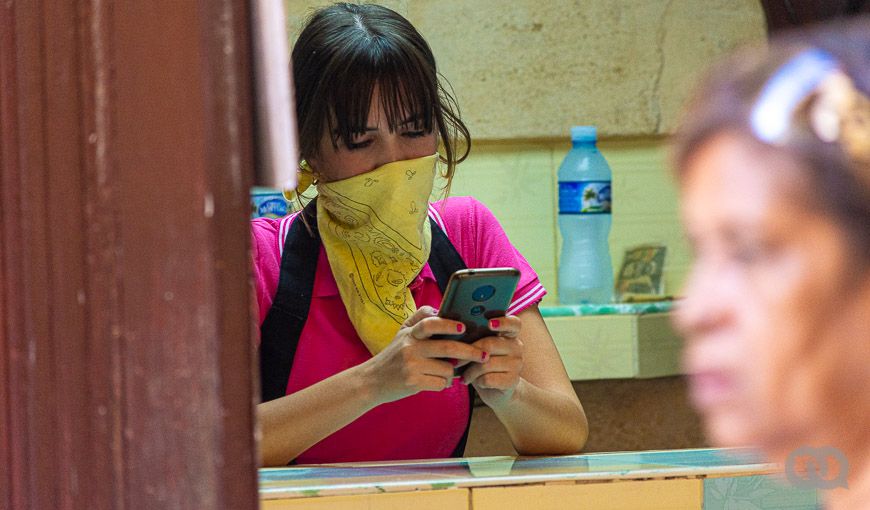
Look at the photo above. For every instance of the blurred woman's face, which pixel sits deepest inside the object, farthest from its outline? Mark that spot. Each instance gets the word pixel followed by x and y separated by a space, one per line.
pixel 766 305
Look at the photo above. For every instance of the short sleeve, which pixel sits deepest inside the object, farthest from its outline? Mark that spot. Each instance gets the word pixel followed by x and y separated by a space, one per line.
pixel 482 242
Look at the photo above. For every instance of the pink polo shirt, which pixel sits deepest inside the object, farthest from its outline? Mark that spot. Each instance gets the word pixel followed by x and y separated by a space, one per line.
pixel 428 424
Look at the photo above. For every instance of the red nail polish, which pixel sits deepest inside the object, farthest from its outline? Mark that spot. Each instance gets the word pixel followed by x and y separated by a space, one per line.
pixel 484 356
pixel 460 327
pixel 453 361
pixel 493 324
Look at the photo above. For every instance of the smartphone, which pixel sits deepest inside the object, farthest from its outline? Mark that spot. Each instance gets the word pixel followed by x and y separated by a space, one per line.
pixel 473 296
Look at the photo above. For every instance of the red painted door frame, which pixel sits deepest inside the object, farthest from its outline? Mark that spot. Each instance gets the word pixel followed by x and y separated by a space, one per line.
pixel 126 357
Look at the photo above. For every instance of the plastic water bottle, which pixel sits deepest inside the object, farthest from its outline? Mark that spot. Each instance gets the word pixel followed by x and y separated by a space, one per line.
pixel 585 270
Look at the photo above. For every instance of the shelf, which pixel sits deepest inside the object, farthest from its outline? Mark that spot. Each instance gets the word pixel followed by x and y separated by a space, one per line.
pixel 617 346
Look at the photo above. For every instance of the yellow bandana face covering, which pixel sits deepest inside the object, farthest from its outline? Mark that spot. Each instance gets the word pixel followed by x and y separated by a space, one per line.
pixel 375 229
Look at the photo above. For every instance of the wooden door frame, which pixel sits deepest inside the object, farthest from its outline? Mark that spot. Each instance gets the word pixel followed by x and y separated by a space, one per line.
pixel 126 354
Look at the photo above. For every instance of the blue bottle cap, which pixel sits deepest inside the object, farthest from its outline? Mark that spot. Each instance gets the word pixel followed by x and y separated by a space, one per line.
pixel 583 134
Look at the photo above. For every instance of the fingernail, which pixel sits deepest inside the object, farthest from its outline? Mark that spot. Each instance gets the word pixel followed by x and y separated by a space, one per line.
pixel 484 356
pixel 453 361
pixel 460 327
pixel 493 324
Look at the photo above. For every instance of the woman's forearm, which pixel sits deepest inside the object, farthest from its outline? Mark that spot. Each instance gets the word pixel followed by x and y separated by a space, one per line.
pixel 543 422
pixel 292 424
pixel 412 362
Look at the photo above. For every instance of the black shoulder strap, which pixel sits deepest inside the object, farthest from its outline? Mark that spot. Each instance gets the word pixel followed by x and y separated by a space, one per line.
pixel 280 332
pixel 444 260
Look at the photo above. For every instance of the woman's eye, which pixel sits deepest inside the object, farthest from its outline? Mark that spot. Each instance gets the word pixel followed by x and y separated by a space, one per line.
pixel 750 254
pixel 414 134
pixel 358 145
pixel 746 256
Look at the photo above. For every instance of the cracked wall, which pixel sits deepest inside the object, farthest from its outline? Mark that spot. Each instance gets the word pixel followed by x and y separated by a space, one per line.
pixel 526 69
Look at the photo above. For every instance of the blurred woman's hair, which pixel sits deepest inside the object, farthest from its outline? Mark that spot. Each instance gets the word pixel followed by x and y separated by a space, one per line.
pixel 346 50
pixel 805 95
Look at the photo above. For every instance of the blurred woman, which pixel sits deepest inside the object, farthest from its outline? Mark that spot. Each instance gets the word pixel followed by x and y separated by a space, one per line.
pixel 773 163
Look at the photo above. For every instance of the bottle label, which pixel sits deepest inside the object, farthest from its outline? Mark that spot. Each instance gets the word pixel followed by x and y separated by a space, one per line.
pixel 584 197
pixel 272 205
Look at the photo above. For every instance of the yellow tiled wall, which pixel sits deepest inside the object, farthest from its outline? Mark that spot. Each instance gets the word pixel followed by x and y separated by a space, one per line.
pixel 517 181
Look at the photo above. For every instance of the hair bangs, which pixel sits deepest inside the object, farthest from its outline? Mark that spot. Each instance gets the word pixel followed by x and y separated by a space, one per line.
pixel 407 88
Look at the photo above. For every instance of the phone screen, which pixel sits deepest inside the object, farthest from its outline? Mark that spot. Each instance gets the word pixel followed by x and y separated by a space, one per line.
pixel 474 296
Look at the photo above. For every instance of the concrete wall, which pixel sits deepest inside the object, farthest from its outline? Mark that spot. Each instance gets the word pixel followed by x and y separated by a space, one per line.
pixel 531 69
pixel 525 71
pixel 517 180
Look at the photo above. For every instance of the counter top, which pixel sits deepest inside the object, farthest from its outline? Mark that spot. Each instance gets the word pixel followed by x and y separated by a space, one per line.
pixel 382 477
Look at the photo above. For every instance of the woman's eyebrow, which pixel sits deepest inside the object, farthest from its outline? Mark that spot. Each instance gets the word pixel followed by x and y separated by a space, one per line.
pixel 336 133
pixel 411 119
pixel 414 118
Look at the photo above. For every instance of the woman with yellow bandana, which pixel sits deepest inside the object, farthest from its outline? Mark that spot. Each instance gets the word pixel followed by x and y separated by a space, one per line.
pixel 347 288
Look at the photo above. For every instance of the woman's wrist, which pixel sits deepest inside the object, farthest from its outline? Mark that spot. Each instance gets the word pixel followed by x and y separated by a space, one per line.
pixel 366 384
pixel 507 401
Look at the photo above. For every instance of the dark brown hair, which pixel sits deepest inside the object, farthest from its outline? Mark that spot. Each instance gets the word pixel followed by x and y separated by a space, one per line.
pixel 343 52
pixel 839 182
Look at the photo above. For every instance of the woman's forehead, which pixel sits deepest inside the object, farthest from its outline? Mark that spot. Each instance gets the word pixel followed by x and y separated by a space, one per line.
pixel 731 178
pixel 738 160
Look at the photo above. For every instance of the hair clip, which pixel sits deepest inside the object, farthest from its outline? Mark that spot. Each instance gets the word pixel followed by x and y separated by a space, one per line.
pixel 841 113
pixel 772 113
pixel 304 179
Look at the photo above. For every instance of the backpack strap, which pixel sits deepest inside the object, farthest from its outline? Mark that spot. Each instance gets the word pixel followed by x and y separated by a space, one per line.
pixel 444 260
pixel 282 327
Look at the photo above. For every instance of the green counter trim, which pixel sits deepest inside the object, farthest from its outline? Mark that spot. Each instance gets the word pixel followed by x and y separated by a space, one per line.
pixel 607 309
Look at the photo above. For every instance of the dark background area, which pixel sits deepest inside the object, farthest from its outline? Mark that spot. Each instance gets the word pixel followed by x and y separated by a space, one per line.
pixel 784 14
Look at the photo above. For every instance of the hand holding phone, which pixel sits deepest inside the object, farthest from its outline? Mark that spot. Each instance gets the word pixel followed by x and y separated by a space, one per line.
pixel 474 296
